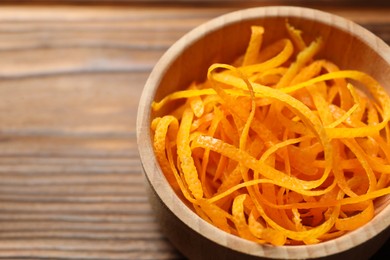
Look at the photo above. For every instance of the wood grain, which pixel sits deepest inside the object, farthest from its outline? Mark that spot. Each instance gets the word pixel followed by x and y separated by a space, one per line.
pixel 207 2
pixel 70 80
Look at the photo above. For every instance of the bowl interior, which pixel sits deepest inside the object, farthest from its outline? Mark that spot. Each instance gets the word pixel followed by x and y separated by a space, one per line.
pixel 222 40
pixel 346 46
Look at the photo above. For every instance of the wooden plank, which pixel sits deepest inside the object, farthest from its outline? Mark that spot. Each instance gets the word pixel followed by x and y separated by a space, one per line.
pixel 76 189
pixel 79 217
pixel 62 144
pixel 90 255
pixel 205 2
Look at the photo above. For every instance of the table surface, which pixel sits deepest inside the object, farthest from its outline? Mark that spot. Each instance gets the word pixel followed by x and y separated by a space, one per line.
pixel 71 183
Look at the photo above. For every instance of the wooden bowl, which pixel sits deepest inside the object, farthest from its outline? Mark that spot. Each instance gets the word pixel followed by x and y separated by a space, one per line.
pixel 221 40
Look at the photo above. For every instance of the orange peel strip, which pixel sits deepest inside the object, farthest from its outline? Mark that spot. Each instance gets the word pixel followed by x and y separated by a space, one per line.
pixel 277 177
pixel 254 45
pixel 184 154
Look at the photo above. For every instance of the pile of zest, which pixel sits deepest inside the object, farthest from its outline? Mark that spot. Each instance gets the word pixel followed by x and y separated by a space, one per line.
pixel 278 147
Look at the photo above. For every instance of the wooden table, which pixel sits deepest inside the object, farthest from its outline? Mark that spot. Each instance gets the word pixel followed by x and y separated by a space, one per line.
pixel 71 185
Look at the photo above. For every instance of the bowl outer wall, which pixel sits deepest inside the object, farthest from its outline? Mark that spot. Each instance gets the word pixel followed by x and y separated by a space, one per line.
pixel 162 189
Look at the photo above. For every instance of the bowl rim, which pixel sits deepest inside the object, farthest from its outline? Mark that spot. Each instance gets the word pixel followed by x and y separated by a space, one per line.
pixel 160 185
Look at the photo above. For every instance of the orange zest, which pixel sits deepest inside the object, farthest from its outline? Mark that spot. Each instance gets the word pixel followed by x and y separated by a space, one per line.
pixel 282 148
